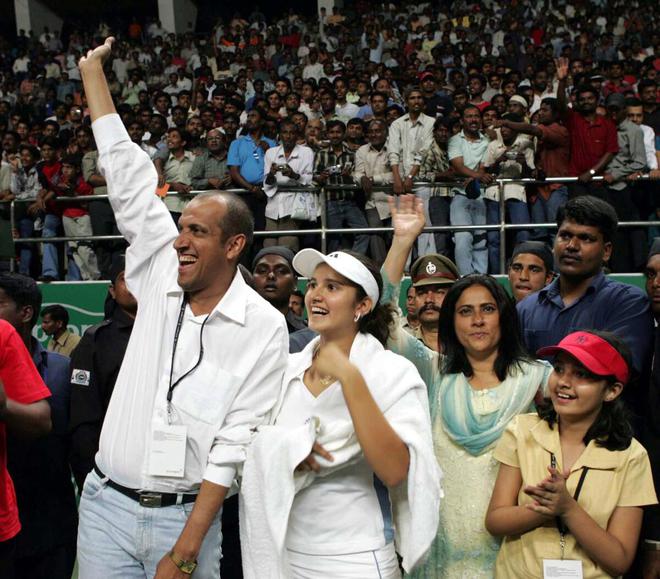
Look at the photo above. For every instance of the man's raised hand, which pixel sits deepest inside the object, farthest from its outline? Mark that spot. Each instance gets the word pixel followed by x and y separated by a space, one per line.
pixel 97 55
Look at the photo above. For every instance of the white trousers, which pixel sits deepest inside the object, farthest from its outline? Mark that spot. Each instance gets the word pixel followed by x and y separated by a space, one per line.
pixel 378 564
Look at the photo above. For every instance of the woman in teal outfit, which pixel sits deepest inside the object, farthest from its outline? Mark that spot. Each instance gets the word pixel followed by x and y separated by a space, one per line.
pixel 481 381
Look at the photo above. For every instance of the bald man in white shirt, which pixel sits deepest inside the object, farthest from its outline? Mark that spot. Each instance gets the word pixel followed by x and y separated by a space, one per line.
pixel 202 369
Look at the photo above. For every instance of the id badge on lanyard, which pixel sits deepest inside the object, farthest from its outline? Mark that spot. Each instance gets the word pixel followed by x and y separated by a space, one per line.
pixel 564 568
pixel 167 456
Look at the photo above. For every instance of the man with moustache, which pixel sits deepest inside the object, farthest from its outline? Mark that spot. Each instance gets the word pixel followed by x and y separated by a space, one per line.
pixel 432 275
pixel 179 419
pixel 582 296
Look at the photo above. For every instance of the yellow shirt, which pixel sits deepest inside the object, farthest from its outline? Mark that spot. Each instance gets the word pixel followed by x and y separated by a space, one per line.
pixel 614 479
pixel 65 344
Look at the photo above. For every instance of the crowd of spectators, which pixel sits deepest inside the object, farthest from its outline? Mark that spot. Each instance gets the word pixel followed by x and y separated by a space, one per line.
pixel 375 99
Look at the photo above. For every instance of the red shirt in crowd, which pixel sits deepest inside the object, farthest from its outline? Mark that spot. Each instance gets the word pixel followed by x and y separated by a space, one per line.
pixel 51 171
pixel 590 141
pixel 553 154
pixel 71 208
pixel 22 384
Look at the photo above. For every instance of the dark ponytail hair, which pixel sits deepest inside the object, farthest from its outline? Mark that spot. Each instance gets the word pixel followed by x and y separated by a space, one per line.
pixel 377 321
pixel 612 428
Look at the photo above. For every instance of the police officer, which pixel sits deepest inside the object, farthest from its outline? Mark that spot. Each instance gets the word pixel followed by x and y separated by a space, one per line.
pixel 432 276
pixel 95 364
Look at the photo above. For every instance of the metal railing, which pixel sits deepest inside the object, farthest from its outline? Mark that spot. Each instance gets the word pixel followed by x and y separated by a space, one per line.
pixel 323 231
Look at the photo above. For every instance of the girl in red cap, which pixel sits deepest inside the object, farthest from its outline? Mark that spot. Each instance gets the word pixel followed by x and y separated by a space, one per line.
pixel 572 481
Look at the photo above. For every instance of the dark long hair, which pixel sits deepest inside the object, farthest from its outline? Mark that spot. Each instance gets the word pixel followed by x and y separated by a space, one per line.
pixel 377 321
pixel 511 350
pixel 612 428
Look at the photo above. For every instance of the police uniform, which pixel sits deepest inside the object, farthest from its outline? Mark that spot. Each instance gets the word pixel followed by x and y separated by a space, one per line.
pixel 95 364
pixel 432 269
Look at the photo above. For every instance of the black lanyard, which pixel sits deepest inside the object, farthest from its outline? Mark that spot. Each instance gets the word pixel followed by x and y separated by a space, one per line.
pixel 179 323
pixel 561 526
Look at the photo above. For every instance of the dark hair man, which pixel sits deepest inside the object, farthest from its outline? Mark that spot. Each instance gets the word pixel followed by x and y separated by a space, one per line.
pixel 168 433
pixel 406 152
pixel 334 166
pixel 372 168
pixel 54 322
pixel 530 268
pixel 620 176
pixel 246 164
pixel 297 303
pixel 593 137
pixel 46 545
pixel 582 296
pixel 23 412
pixel 209 170
pixel 275 280
pixel 289 164
pixel 95 364
pixel 552 158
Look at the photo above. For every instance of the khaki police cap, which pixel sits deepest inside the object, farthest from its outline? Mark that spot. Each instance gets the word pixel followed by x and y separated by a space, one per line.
pixel 433 269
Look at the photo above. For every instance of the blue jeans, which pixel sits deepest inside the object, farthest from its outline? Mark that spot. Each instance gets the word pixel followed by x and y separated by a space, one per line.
pixel 518 213
pixel 50 264
pixel 545 211
pixel 439 211
pixel 25 229
pixel 342 213
pixel 470 246
pixel 119 539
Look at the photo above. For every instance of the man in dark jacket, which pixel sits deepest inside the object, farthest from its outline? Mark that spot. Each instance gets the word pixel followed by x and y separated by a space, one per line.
pixel 95 364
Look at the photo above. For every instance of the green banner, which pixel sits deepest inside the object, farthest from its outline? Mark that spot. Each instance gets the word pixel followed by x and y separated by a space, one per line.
pixel 84 300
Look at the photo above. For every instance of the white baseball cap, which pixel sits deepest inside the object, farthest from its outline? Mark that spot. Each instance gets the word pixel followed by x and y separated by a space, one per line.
pixel 307 260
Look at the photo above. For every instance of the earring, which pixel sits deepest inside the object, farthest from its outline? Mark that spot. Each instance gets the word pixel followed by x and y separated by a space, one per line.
pixel 357 317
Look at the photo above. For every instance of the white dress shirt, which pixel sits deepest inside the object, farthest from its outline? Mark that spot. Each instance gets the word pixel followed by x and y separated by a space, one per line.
pixel 301 160
pixel 245 344
pixel 649 146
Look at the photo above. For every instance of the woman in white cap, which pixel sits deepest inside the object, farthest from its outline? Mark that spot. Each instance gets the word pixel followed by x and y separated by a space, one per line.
pixel 348 455
pixel 482 380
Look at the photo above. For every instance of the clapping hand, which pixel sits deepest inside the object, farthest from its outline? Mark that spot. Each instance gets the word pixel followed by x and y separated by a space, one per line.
pixel 551 498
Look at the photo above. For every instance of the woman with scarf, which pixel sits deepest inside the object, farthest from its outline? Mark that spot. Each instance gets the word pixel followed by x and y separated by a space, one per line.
pixel 344 475
pixel 481 381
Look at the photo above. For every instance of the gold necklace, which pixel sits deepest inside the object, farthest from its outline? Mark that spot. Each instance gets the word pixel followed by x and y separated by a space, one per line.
pixel 324 380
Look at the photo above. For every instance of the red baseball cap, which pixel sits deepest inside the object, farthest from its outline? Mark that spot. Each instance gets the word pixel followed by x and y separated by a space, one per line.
pixel 595 354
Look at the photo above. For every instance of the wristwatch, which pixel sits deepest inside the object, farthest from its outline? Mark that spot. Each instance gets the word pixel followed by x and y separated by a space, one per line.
pixel 184 566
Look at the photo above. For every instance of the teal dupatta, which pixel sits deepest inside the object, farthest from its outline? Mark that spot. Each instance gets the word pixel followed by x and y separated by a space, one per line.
pixel 477 432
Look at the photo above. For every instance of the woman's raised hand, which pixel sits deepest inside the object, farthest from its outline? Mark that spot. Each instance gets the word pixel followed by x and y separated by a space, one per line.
pixel 408 217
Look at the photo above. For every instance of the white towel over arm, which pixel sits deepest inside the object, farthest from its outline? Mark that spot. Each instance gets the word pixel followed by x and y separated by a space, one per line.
pixel 269 482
